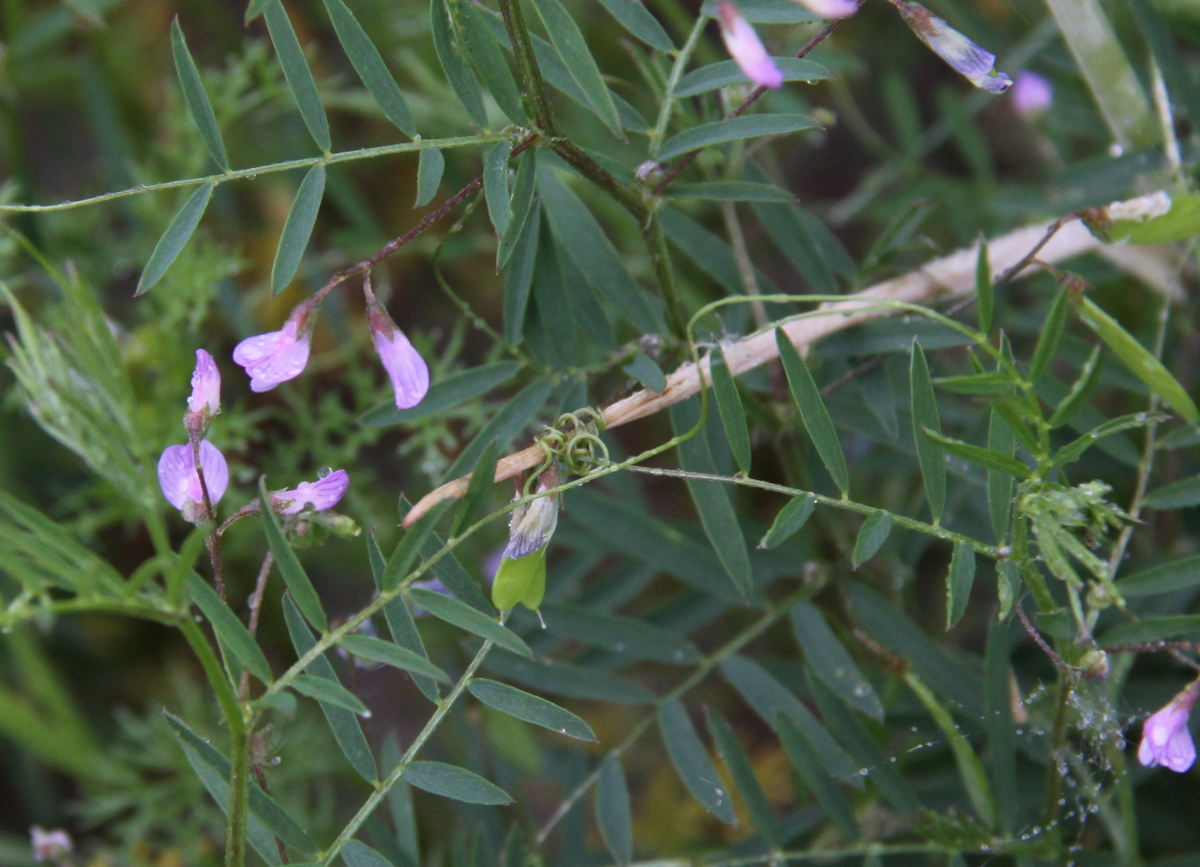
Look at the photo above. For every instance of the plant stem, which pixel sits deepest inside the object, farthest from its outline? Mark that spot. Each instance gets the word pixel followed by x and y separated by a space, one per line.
pixel 533 85
pixel 660 255
pixel 664 110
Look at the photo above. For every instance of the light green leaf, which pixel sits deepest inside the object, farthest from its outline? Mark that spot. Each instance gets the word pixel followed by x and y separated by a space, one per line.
pixel 813 412
pixel 731 191
pixel 992 382
pixel 1163 578
pixel 359 854
pixel 369 65
pixel 985 293
pixel 520 206
pixel 518 275
pixel 871 536
pixel 692 763
pixel 297 228
pixel 1001 727
pixel 735 129
pixel 231 632
pixel 299 76
pixel 495 186
pixel 789 520
pixel 1048 338
pixel 294 576
pixel 447 42
pixel 613 813
pixel 926 418
pixel 726 72
pixel 485 55
pixel 958 582
pixel 445 394
pixel 1148 630
pixel 531 708
pixel 989 458
pixel 175 238
pixel 1073 450
pixel 430 166
pixel 195 97
pixel 642 368
pixel 478 488
pixel 1177 495
pixel 999 483
pixel 450 781
pixel 465 617
pixel 378 650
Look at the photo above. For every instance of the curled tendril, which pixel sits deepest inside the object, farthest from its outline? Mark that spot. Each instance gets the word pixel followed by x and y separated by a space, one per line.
pixel 574 441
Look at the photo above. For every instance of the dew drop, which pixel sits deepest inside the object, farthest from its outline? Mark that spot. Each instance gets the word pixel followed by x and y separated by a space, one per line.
pixel 324 472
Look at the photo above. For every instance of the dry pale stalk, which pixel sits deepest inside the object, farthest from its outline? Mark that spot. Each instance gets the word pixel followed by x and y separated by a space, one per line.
pixel 946 279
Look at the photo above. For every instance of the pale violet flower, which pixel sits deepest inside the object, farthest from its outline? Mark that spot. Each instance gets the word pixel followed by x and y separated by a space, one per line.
pixel 180 482
pixel 963 55
pixel 277 356
pixel 404 365
pixel 531 525
pixel 746 48
pixel 49 845
pixel 1166 740
pixel 1032 94
pixel 831 8
pixel 205 400
pixel 320 495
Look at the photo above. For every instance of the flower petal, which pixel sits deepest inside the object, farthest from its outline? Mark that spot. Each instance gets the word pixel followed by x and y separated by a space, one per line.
pixel 319 495
pixel 746 48
pixel 405 367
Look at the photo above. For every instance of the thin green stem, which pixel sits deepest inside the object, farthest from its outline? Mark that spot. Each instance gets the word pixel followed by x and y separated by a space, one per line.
pixel 1058 742
pixel 533 86
pixel 668 101
pixel 222 177
pixel 660 255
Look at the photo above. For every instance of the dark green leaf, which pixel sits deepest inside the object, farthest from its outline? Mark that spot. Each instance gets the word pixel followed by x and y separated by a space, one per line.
pixel 925 417
pixel 999 483
pixel 572 681
pixel 1089 374
pixel 531 708
pixel 445 394
pixel 789 520
pixel 807 761
pixel 447 43
pixel 692 763
pixel 1180 84
pixel 195 97
pixel 1163 578
pixel 726 72
pixel 1151 629
pixel 709 251
pixel 1017 425
pixel 626 635
pixel 482 480
pixel 813 412
pixel 521 206
pixel 989 458
pixel 369 65
pixel 465 617
pixel 495 186
pixel 992 382
pixel 1001 727
pixel 230 631
pixel 634 17
pixel 518 276
pixel 735 129
pixel 299 76
pixel 452 574
pixel 731 191
pixel 450 781
pixel 642 368
pixel 1049 337
pixel 175 238
pixel 294 576
pixel 766 11
pixel 742 772
pixel 871 536
pixel 1140 362
pixel 358 854
pixel 430 166
pixel 378 650
pixel 1073 450
pixel 613 813
pixel 329 692
pixel 376 559
pixel 959 581
pixel 484 52
pixel 404 633
pixel 568 41
pixel 1177 495
pixel 505 424
pixel 729 405
pixel 409 547
pixel 342 722
pixel 831 662
pixel 985 294
pixel 297 229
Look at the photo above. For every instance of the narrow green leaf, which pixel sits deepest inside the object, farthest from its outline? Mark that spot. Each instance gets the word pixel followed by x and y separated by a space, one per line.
pixel 1180 83
pixel 409 547
pixel 495 186
pixel 985 294
pixel 959 581
pixel 1073 450
pixel 613 813
pixel 1017 425
pixel 297 228
pixel 1134 356
pixel 642 368
pixel 484 52
pixel 766 11
pixel 807 761
pixel 989 458
pixel 445 394
pixel 342 722
pixel 1177 495
pixel 330 692
pixel 520 206
pixel 799 235
pixel 626 635
pixel 571 47
pixel 1151 629
pixel 831 662
pixel 1051 334
pixel 404 633
pixel 561 678
pixel 731 191
pixel 709 251
pixel 294 576
pixel 635 18
pixel 450 51
pixel 482 480
pixel 999 483
pixel 450 781
pixel 378 650
pixel 195 97
pixel 813 412
pixel 1089 375
pixel 430 166
pixel 925 416
pixel 231 632
pixel 871 536
pixel 992 382
pixel 262 806
pixel 736 129
pixel 970 769
pixel 465 617
pixel 359 854
pixel 518 275
pixel 1001 727
pixel 257 834
pixel 729 405
pixel 789 521
pixel 531 708
pixel 299 76
pixel 175 238
pixel 369 65
pixel 1163 578
pixel 742 772
pixel 713 504
pixel 376 559
pixel 451 573
pixel 692 763
pixel 726 72
pixel 400 806
pixel 505 424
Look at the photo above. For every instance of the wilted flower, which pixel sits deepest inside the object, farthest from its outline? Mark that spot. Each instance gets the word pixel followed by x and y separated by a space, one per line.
pixel 967 58
pixel 1032 94
pixel 49 845
pixel 180 482
pixel 205 400
pixel 521 576
pixel 831 8
pixel 404 365
pixel 1165 736
pixel 320 495
pixel 746 48
pixel 278 356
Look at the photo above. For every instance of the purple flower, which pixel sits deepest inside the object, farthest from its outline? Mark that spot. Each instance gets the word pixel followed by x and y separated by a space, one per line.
pixel 277 356
pixel 319 495
pixel 963 55
pixel 49 845
pixel 205 400
pixel 404 365
pixel 746 48
pixel 831 8
pixel 1032 94
pixel 180 482
pixel 531 525
pixel 1165 736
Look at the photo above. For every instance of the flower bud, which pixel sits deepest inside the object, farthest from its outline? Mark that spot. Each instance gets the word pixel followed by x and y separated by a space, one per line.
pixel 404 365
pixel 1165 737
pixel 205 400
pixel 522 573
pixel 963 55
